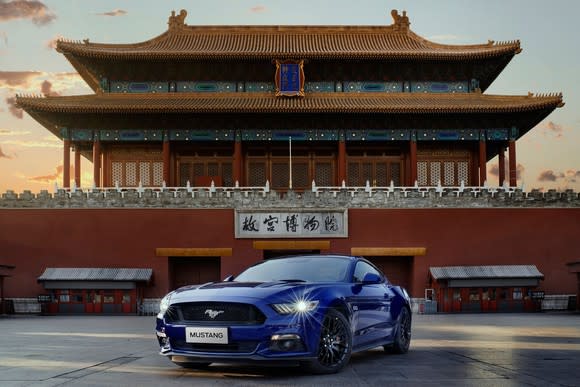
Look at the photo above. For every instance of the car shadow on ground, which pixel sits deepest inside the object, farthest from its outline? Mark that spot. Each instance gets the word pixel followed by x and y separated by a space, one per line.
pixel 292 370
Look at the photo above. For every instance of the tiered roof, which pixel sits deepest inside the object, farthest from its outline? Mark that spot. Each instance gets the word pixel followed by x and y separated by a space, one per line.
pixel 182 42
pixel 394 41
pixel 399 103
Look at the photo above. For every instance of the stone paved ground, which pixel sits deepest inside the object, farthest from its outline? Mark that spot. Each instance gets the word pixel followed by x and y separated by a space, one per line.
pixel 452 350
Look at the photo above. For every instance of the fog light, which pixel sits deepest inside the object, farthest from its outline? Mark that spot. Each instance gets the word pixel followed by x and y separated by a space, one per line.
pixel 286 343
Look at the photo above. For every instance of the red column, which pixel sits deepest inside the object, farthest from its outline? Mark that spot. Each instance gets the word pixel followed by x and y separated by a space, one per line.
pixel 501 158
pixel 341 161
pixel 238 162
pixel 166 160
pixel 66 164
pixel 482 162
pixel 413 154
pixel 77 166
pixel 97 161
pixel 512 163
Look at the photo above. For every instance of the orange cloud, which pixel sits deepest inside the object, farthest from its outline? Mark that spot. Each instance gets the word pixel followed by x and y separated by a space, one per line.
pixel 494 169
pixel 11 79
pixel 115 12
pixel 51 178
pixel 13 109
pixel 571 176
pixel 549 175
pixel 550 128
pixel 26 9
pixel 33 82
pixel 51 44
pixel 46 89
pixel 4 155
pixel 258 9
pixel 8 132
pixel 36 144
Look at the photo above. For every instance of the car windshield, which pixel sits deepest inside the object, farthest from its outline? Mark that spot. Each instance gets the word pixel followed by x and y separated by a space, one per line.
pixel 298 269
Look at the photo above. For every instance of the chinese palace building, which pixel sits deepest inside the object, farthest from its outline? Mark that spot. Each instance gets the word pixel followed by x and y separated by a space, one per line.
pixel 214 147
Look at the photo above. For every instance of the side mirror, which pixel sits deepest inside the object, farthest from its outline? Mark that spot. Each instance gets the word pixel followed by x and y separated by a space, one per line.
pixel 371 278
pixel 229 278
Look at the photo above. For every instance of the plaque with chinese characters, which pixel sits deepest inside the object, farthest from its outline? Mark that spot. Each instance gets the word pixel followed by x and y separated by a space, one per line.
pixel 291 224
pixel 289 78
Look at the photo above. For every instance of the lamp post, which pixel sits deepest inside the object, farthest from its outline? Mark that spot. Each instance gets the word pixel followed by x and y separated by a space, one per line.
pixel 290 161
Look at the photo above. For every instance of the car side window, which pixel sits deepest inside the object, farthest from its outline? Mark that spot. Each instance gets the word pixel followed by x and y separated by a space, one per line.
pixel 361 269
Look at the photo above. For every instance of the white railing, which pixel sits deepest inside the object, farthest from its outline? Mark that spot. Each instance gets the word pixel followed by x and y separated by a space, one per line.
pixel 192 191
pixel 423 190
pixel 212 190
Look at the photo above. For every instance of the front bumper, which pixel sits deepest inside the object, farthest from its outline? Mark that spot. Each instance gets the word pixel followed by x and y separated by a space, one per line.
pixel 281 338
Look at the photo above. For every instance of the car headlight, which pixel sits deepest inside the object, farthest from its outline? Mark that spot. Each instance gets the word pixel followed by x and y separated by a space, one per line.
pixel 301 306
pixel 164 303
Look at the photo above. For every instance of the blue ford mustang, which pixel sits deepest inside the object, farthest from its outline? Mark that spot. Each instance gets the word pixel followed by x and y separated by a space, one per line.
pixel 314 310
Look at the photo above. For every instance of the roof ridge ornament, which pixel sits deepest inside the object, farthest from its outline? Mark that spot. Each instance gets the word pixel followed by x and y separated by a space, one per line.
pixel 177 22
pixel 400 22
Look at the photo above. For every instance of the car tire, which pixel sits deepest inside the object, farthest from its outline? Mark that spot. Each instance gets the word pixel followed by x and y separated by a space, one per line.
pixel 402 338
pixel 334 346
pixel 192 366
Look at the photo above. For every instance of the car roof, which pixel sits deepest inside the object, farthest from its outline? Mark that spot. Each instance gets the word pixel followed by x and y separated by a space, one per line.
pixel 340 256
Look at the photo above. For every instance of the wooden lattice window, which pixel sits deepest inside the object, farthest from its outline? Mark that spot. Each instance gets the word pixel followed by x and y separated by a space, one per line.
pixel 280 175
pixel 228 175
pixel 300 175
pixel 145 174
pixel 422 173
pixel 435 173
pixel 306 167
pixel 378 171
pixel 395 173
pixel 353 174
pixel 131 173
pixel 449 173
pixel 463 172
pixel 448 165
pixel 323 174
pixel 202 171
pixel 381 173
pixel 256 173
pixel 129 167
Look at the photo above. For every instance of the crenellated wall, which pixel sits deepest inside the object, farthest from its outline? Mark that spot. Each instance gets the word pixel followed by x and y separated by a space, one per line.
pixel 363 197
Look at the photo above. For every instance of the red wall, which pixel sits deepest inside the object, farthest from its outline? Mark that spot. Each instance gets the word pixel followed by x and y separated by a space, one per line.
pixel 33 239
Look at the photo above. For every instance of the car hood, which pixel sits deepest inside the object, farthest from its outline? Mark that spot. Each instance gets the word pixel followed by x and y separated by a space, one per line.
pixel 240 291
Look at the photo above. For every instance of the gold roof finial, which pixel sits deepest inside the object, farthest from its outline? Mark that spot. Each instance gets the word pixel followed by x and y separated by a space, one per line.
pixel 177 21
pixel 400 22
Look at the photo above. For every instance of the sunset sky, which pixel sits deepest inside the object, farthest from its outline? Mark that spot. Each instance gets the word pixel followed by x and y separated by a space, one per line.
pixel 548 156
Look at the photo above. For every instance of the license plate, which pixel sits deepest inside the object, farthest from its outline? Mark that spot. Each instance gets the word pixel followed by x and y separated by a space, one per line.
pixel 207 335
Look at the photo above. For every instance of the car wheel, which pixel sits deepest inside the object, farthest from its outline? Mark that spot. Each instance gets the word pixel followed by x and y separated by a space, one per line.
pixel 193 366
pixel 402 338
pixel 334 346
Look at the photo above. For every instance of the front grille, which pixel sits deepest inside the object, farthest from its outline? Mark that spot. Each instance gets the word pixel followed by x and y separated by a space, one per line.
pixel 236 347
pixel 219 313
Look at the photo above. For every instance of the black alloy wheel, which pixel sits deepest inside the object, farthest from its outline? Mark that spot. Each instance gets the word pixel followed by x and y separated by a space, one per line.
pixel 402 339
pixel 335 345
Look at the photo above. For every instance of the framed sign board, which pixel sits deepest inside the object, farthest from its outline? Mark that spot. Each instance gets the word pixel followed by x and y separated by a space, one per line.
pixel 289 78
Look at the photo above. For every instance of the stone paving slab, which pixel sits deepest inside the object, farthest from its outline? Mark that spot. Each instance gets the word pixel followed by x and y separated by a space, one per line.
pixel 452 350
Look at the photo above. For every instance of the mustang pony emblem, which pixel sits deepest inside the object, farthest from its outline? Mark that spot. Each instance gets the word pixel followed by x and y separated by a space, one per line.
pixel 213 313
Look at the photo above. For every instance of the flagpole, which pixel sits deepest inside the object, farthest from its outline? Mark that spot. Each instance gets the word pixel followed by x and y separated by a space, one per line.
pixel 290 149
